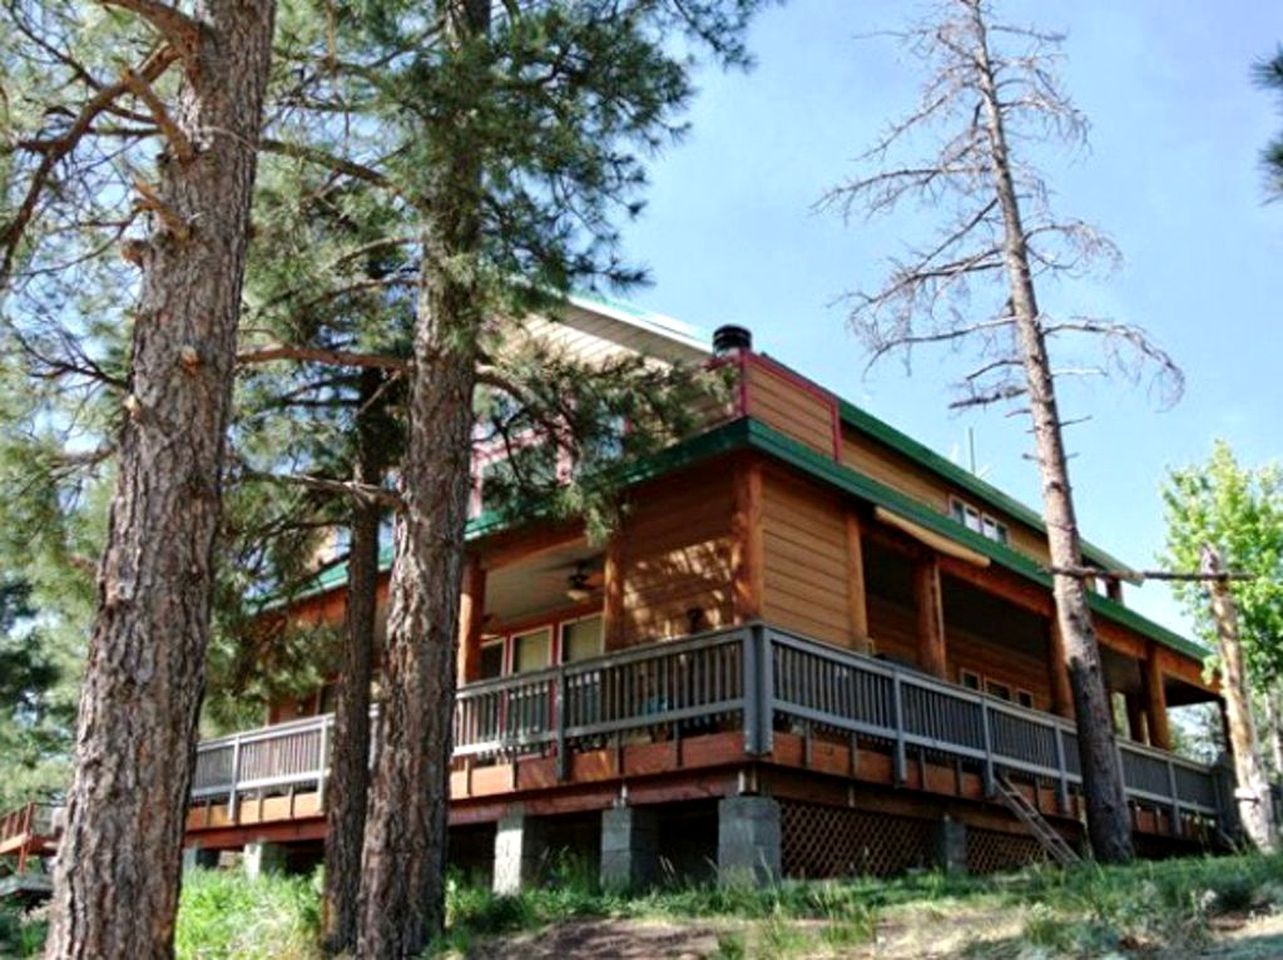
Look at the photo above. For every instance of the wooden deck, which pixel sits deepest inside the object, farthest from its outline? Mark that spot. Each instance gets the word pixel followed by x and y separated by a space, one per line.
pixel 693 718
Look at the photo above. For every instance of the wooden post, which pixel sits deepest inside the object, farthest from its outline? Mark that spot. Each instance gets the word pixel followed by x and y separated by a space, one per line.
pixel 857 598
pixel 930 603
pixel 747 550
pixel 1062 697
pixel 1136 717
pixel 1156 700
pixel 472 605
pixel 613 588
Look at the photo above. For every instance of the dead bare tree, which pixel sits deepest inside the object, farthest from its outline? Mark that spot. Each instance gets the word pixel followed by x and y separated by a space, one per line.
pixel 990 87
pixel 1255 805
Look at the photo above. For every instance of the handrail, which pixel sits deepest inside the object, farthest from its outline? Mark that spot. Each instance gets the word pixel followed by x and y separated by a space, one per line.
pixel 757 675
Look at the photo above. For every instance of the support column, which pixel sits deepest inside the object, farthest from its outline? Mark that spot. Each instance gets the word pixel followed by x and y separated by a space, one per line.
pixel 518 847
pixel 612 617
pixel 746 542
pixel 857 595
pixel 263 858
pixel 748 841
pixel 951 845
pixel 472 605
pixel 1136 718
pixel 629 848
pixel 1156 700
pixel 929 600
pixel 1062 695
pixel 195 858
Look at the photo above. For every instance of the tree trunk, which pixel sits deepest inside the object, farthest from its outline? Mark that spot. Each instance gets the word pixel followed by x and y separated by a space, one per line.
pixel 1270 703
pixel 1255 804
pixel 403 881
pixel 1108 823
pixel 117 879
pixel 348 788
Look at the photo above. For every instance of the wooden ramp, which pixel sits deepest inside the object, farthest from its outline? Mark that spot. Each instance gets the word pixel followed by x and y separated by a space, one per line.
pixel 1046 835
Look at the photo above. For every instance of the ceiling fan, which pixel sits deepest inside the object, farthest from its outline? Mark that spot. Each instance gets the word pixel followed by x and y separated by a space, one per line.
pixel 581 583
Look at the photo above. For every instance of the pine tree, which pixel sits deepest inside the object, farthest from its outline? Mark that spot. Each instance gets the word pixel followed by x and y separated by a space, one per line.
pixel 513 139
pixel 154 162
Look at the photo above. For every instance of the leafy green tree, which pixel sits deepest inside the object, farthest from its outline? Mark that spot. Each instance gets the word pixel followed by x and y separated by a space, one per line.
pixel 1221 518
pixel 1240 510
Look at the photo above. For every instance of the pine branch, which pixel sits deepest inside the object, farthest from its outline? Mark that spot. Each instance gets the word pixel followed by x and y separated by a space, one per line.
pixel 337 358
pixel 179 30
pixel 323 158
pixel 56 148
pixel 184 152
pixel 364 492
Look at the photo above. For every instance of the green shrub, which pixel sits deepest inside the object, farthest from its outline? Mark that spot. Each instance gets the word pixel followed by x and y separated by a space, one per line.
pixel 224 914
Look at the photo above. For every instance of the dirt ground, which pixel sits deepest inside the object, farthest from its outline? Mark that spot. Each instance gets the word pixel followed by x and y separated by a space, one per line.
pixel 921 934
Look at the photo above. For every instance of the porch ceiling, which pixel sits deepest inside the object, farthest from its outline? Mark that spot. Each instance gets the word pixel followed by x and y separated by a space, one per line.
pixel 538 583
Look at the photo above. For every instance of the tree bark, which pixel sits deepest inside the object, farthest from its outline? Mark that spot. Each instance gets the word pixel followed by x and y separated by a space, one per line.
pixel 1255 804
pixel 348 788
pixel 117 879
pixel 1108 823
pixel 403 881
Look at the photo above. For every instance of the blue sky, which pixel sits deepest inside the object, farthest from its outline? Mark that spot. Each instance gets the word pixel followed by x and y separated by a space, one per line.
pixel 1172 175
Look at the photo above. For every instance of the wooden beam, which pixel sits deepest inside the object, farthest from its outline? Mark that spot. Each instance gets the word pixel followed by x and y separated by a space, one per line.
pixel 472 605
pixel 612 617
pixel 1155 696
pixel 931 539
pixel 857 599
pixel 747 549
pixel 932 656
pixel 1062 695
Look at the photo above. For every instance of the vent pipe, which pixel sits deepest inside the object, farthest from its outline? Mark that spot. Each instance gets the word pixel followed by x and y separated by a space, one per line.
pixel 731 339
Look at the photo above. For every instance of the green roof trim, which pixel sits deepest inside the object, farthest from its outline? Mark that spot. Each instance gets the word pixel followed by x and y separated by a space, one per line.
pixel 923 455
pixel 747 433
pixel 821 467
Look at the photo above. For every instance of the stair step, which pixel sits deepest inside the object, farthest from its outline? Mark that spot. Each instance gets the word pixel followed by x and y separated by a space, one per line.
pixel 1046 835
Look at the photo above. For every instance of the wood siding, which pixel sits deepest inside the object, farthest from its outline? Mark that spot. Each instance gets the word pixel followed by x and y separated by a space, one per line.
pixel 675 558
pixel 790 405
pixel 806 577
pixel 868 456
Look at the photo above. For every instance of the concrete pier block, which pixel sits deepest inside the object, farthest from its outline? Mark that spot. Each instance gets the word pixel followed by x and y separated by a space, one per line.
pixel 748 841
pixel 518 851
pixel 629 848
pixel 263 858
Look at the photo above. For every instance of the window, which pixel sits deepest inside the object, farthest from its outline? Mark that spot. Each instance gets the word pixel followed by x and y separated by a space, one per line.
pixel 981 523
pixel 999 690
pixel 581 639
pixel 532 651
pixel 970 679
pixel 1025 698
pixel 491 658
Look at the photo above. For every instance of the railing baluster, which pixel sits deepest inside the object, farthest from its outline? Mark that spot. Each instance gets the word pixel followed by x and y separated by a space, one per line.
pixel 236 773
pixel 897 702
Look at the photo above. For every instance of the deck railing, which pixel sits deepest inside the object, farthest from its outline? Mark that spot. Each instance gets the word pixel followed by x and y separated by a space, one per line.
pixel 758 678
pixel 34 819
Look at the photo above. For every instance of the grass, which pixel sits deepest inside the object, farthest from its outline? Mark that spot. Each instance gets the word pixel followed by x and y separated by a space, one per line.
pixel 1149 909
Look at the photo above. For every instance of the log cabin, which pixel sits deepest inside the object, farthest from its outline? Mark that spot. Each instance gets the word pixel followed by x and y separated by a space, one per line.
pixel 812 648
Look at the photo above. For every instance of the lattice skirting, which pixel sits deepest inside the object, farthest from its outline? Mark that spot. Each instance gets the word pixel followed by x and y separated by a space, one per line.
pixel 991 851
pixel 821 841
